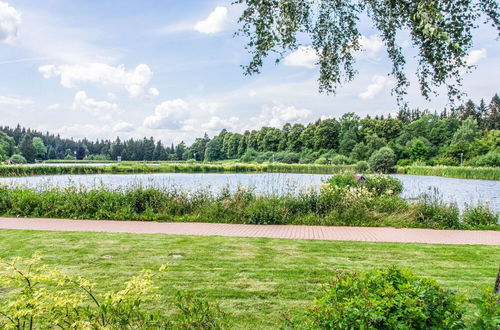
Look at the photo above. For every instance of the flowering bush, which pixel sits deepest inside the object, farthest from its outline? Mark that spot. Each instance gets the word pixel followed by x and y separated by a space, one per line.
pixel 41 297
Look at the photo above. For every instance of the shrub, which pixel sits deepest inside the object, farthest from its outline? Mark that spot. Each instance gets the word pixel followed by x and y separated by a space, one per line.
pixel 404 162
pixel 384 184
pixel 479 215
pixel 18 159
pixel 382 299
pixel 362 166
pixel 383 160
pixel 488 316
pixel 249 156
pixel 45 298
pixel 492 159
pixel 341 160
pixel 342 180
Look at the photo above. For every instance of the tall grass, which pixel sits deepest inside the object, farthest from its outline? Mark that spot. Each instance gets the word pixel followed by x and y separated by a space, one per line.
pixel 485 173
pixel 348 205
pixel 122 168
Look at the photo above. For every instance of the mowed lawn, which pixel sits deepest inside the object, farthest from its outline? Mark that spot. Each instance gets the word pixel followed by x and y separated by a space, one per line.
pixel 255 280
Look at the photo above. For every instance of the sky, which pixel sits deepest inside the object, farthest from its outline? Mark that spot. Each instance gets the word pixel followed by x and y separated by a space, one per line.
pixel 171 69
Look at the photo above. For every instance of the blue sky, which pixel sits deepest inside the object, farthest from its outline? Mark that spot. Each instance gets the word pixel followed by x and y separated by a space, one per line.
pixel 171 69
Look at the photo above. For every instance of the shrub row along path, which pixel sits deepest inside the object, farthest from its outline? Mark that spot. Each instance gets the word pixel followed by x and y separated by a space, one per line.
pixel 366 234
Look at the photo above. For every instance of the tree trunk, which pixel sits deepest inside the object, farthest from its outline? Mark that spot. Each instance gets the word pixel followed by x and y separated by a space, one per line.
pixel 497 283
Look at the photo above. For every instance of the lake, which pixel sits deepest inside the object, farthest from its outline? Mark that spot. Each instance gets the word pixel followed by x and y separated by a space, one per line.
pixel 461 191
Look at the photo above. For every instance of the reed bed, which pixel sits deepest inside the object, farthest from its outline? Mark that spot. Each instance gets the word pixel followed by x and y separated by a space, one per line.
pixel 462 172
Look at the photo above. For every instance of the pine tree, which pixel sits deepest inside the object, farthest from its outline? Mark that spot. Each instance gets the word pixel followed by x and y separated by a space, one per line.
pixel 27 149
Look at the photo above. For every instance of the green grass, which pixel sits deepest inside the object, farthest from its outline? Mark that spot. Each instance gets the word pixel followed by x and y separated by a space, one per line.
pixel 254 279
pixel 137 167
pixel 485 173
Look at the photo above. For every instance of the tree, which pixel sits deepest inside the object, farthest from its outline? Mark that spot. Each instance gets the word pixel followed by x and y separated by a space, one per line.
pixel 441 32
pixel 418 149
pixel 41 149
pixel 468 131
pixel 213 150
pixel 383 160
pixel 27 149
pixel 80 152
pixel 493 117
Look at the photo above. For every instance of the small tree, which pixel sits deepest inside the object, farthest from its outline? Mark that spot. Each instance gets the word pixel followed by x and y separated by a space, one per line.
pixel 418 149
pixel 80 152
pixel 41 149
pixel 27 149
pixel 383 160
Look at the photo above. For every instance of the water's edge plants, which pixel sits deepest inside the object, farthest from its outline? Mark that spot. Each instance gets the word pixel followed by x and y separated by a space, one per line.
pixel 340 201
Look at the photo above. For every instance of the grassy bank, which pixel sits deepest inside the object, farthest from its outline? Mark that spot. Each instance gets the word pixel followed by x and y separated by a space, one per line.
pixel 340 202
pixel 86 167
pixel 136 167
pixel 485 173
pixel 254 280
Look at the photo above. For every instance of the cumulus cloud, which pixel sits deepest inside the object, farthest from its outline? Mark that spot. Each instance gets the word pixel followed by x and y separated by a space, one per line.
pixel 123 126
pixel 377 85
pixel 101 109
pixel 279 114
pixel 370 46
pixel 475 56
pixel 133 81
pixel 9 22
pixel 153 92
pixel 168 115
pixel 215 22
pixel 304 56
pixel 55 106
pixel 14 101
pixel 216 123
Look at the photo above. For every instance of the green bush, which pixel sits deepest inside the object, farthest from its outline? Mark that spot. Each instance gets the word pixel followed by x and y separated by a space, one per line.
pixel 479 215
pixel 488 316
pixel 404 162
pixel 383 160
pixel 384 184
pixel 382 299
pixel 341 160
pixel 362 166
pixel 40 297
pixel 18 159
pixel 342 180
pixel 492 159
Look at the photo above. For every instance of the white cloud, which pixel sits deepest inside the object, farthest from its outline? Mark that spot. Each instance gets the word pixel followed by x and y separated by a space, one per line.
pixel 370 46
pixel 216 123
pixel 153 92
pixel 279 114
pixel 215 22
pixel 9 22
pixel 475 56
pixel 377 85
pixel 304 56
pixel 101 109
pixel 55 106
pixel 168 115
pixel 134 81
pixel 14 101
pixel 123 126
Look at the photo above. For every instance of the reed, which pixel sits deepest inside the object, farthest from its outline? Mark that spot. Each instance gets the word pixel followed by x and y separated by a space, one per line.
pixel 462 172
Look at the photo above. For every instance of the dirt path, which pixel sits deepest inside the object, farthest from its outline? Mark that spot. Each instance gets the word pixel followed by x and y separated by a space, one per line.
pixel 366 234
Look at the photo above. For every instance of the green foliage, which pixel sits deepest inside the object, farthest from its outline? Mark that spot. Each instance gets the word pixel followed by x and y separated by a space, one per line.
pixel 362 166
pixel 18 159
pixel 431 212
pixel 27 149
pixel 383 184
pixel 485 173
pixel 418 149
pixel 492 159
pixel 41 297
pixel 383 160
pixel 382 299
pixel 442 35
pixel 488 316
pixel 479 215
pixel 40 148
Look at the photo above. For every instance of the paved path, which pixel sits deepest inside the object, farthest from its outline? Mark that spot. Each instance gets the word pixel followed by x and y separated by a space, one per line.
pixel 366 234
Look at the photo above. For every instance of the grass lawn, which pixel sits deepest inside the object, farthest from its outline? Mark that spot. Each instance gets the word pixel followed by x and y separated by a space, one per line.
pixel 253 279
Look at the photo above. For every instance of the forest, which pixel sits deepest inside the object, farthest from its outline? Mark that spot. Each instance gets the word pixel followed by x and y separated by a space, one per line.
pixel 468 134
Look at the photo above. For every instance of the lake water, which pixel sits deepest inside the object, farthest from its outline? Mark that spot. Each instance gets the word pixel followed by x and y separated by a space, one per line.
pixel 461 191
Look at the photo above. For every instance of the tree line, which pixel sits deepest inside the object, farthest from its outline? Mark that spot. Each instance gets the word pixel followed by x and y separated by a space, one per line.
pixel 466 133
